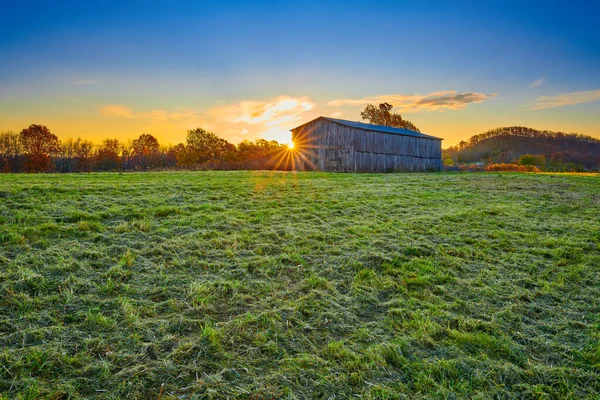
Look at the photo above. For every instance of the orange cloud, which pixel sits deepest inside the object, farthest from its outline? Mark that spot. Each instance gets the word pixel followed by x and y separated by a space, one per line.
pixel 566 99
pixel 120 111
pixel 436 101
pixel 274 112
pixel 116 111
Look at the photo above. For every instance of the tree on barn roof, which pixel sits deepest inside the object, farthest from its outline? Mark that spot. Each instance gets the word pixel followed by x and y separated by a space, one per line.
pixel 382 115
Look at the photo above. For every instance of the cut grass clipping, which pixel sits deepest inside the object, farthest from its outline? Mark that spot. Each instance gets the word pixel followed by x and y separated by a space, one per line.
pixel 264 285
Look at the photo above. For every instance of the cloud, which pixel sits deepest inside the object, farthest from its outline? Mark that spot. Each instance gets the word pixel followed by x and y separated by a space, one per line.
pixel 280 110
pixel 86 82
pixel 271 119
pixel 436 101
pixel 117 111
pixel 537 83
pixel 566 99
pixel 337 114
pixel 120 111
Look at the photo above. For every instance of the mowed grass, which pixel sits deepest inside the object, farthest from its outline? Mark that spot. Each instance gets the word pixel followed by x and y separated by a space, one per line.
pixel 263 285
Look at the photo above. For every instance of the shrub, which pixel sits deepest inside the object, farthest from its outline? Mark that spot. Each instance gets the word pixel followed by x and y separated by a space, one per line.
pixel 529 159
pixel 511 168
pixel 470 168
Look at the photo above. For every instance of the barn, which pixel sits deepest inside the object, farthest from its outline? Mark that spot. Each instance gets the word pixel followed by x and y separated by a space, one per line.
pixel 337 145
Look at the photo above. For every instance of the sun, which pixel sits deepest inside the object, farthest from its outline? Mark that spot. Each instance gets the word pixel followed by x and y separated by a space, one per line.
pixel 290 145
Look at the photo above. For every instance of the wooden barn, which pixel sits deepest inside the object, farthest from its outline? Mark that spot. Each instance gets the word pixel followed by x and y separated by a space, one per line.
pixel 329 144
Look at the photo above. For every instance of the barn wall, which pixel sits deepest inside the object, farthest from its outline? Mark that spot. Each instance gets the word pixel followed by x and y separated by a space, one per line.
pixel 327 146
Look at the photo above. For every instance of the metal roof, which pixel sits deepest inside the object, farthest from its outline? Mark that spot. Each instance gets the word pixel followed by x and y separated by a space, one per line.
pixel 374 128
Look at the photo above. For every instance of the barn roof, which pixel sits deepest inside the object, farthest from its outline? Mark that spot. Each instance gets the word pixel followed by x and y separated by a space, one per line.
pixel 373 128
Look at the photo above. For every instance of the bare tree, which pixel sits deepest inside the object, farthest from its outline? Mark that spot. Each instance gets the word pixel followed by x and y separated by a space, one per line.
pixel 65 157
pixel 11 152
pixel 126 155
pixel 83 153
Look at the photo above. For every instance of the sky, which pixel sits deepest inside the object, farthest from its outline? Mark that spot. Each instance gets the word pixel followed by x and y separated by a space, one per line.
pixel 255 69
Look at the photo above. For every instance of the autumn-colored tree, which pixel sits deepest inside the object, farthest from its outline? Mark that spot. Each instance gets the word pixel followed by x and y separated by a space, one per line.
pixel 38 143
pixel 382 115
pixel 10 151
pixel 502 167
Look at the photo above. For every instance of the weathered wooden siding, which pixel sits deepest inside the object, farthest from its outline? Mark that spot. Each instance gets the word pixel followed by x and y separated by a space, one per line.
pixel 327 146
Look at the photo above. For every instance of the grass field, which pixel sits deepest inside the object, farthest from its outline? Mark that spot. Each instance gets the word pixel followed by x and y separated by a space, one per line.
pixel 265 285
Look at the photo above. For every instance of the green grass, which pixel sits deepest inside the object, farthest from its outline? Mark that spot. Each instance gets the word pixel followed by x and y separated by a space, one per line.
pixel 261 285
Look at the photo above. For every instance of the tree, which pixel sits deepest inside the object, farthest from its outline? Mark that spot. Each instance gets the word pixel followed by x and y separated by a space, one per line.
pixel 127 155
pixel 530 159
pixel 83 153
pixel 248 150
pixel 10 151
pixel 260 154
pixel 167 155
pixel 144 150
pixel 65 156
pixel 203 147
pixel 144 145
pixel 107 155
pixel 39 144
pixel 382 115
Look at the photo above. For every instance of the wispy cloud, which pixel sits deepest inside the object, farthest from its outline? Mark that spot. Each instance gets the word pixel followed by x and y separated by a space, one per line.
pixel 566 99
pixel 120 111
pixel 115 110
pixel 280 110
pixel 436 101
pixel 537 83
pixel 86 82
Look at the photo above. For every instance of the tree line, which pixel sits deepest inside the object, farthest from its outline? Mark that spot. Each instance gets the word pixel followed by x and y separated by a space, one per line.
pixel 37 149
pixel 555 151
pixel 574 139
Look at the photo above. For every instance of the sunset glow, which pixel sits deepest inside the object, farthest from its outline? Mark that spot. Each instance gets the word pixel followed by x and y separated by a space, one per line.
pixel 459 70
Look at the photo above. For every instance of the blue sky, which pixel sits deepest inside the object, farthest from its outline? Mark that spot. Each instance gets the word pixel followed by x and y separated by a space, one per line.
pixel 107 69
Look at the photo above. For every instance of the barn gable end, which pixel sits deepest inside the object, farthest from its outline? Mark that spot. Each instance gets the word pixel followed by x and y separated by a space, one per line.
pixel 327 144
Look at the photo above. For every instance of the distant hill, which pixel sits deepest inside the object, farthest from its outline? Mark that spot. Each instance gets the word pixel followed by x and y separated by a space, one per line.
pixel 507 144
